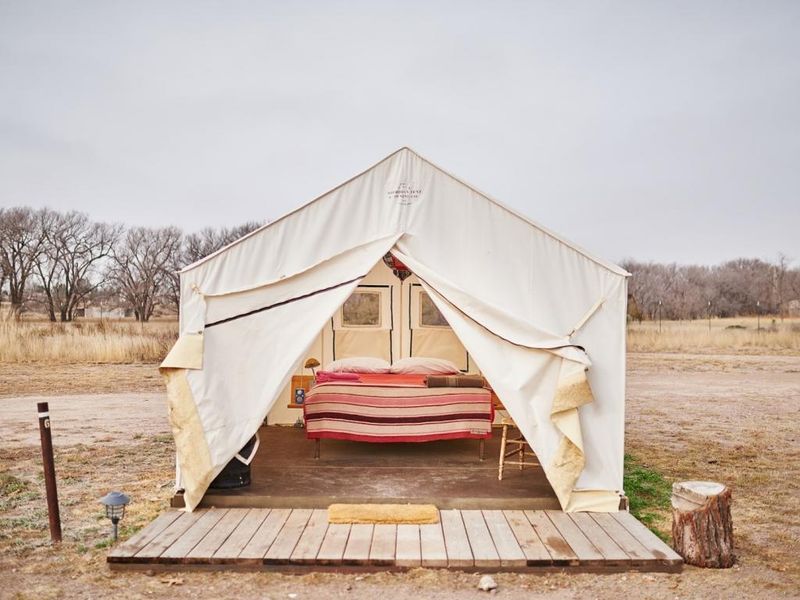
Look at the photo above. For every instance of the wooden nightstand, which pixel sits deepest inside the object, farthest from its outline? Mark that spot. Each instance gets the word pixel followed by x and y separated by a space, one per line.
pixel 299 381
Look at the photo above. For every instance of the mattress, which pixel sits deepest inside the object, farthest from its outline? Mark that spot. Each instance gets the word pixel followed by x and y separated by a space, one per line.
pixel 396 408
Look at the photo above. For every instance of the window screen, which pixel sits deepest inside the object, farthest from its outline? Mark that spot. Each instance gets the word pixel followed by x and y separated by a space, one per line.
pixel 429 315
pixel 362 309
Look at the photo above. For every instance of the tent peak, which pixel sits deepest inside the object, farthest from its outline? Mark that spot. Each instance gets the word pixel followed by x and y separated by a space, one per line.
pixel 605 264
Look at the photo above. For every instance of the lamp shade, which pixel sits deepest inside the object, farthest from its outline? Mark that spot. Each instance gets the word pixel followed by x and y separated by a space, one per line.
pixel 115 503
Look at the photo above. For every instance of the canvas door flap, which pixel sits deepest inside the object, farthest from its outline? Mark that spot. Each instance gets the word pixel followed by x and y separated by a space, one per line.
pixel 191 446
pixel 541 390
pixel 248 362
pixel 492 318
pixel 365 250
pixel 340 270
pixel 254 345
pixel 186 353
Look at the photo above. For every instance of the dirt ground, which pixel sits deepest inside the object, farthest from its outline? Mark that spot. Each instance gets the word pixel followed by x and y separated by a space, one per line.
pixel 734 419
pixel 67 379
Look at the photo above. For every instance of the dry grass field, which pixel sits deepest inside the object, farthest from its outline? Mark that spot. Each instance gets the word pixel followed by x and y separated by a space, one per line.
pixel 118 342
pixel 99 341
pixel 727 408
pixel 741 335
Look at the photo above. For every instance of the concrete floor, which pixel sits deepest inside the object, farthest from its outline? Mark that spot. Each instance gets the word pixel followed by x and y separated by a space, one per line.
pixel 446 473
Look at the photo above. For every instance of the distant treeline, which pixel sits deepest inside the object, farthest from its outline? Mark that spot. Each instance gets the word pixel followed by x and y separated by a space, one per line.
pixel 60 263
pixel 745 286
pixel 64 264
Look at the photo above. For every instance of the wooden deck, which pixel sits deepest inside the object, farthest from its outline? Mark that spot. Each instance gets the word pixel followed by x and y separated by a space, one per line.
pixel 474 540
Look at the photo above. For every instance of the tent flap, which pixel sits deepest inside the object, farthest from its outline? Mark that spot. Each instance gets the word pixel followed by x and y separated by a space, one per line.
pixel 194 456
pixel 488 338
pixel 187 353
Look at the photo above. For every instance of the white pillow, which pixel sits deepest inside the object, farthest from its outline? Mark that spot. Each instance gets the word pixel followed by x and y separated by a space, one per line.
pixel 420 365
pixel 358 364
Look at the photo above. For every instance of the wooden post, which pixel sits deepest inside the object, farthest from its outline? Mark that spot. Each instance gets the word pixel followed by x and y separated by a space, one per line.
pixel 49 471
pixel 702 527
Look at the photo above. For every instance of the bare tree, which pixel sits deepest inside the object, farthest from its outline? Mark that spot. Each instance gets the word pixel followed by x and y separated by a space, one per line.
pixel 738 287
pixel 21 242
pixel 779 287
pixel 209 240
pixel 651 283
pixel 140 266
pixel 69 264
pixel 48 264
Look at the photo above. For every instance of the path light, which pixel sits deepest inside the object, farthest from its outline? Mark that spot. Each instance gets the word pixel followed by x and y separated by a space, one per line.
pixel 115 503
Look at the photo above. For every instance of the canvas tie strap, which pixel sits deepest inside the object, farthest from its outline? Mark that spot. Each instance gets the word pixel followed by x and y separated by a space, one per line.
pixel 586 317
pixel 249 459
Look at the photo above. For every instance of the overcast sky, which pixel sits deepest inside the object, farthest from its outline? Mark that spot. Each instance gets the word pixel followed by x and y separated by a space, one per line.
pixel 657 130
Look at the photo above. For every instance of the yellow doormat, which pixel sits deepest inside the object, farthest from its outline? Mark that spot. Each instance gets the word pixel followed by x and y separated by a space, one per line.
pixel 421 514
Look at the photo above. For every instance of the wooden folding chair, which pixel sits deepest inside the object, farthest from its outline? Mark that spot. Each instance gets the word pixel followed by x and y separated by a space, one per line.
pixel 519 447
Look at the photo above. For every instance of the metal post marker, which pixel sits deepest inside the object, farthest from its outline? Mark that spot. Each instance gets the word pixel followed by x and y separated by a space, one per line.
pixel 659 316
pixel 49 471
pixel 758 315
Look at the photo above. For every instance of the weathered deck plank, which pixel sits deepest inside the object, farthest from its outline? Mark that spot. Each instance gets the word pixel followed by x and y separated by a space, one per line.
pixel 408 546
pixel 242 535
pixel 262 539
pixel 586 552
pixel 146 535
pixel 480 540
pixel 459 553
pixel 600 539
pixel 281 549
pixel 384 544
pixel 311 539
pixel 165 539
pixel 333 544
pixel 181 547
pixel 622 537
pixel 560 552
pixel 658 549
pixel 432 547
pixel 357 550
pixel 206 548
pixel 533 548
pixel 511 555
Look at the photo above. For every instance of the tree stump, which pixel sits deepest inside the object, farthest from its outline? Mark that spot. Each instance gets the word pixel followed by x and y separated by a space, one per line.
pixel 702 527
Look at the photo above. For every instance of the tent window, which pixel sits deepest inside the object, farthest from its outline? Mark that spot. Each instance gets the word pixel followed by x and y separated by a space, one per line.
pixel 362 309
pixel 429 315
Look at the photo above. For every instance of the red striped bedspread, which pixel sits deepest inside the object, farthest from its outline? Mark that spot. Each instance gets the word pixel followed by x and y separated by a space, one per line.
pixel 396 408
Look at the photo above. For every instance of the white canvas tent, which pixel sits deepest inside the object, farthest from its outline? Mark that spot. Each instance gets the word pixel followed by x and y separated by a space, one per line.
pixel 542 319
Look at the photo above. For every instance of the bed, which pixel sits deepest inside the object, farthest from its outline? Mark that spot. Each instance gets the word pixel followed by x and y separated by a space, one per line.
pixel 383 408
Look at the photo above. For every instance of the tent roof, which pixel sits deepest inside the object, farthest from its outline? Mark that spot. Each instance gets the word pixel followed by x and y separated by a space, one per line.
pixel 603 263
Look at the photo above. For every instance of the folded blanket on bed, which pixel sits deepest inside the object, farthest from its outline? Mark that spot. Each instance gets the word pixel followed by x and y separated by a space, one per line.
pixel 468 381
pixel 327 376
